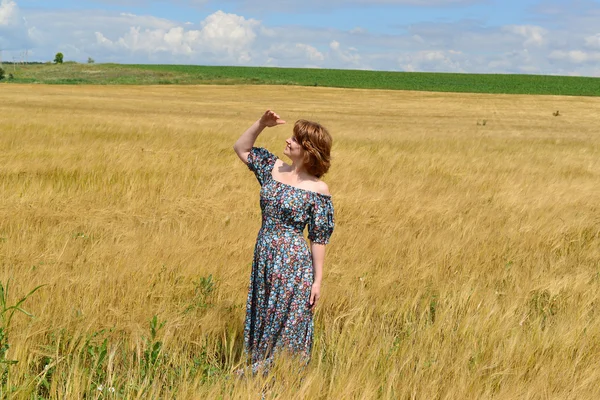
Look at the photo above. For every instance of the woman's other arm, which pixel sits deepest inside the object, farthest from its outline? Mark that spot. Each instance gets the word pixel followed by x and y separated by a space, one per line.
pixel 318 258
pixel 245 143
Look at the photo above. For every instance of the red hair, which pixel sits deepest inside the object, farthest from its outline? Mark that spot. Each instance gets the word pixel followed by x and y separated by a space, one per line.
pixel 316 141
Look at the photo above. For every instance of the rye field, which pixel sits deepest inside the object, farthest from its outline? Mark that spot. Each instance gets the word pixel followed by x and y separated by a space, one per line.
pixel 465 263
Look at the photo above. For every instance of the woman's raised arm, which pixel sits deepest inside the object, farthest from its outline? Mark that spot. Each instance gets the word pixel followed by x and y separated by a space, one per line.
pixel 245 143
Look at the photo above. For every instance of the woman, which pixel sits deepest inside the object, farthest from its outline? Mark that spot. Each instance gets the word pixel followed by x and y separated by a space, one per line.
pixel 285 284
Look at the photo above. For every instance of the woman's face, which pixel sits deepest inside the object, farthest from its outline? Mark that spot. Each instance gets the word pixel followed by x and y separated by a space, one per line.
pixel 293 149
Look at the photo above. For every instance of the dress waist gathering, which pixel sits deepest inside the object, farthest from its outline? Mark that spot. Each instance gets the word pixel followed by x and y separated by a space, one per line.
pixel 275 226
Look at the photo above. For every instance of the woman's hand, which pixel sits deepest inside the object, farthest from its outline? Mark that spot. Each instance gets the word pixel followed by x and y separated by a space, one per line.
pixel 244 144
pixel 315 294
pixel 270 119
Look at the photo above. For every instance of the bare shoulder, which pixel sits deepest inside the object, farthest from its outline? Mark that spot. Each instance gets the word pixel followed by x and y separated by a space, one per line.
pixel 322 188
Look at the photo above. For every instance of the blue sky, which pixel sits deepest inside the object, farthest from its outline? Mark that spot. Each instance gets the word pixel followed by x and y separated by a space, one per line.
pixel 475 36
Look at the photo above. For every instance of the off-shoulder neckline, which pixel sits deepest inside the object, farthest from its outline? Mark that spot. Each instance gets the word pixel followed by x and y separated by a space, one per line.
pixel 292 186
pixel 299 188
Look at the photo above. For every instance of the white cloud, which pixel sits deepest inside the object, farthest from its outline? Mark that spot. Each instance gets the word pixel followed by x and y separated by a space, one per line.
pixel 311 53
pixel 593 41
pixel 227 37
pixel 418 39
pixel 286 55
pixel 533 35
pixel 358 31
pixel 9 13
pixel 14 32
pixel 576 56
pixel 521 61
pixel 231 32
pixel 349 56
pixel 432 61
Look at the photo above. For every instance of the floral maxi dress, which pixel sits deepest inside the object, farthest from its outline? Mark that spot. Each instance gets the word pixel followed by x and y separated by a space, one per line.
pixel 278 313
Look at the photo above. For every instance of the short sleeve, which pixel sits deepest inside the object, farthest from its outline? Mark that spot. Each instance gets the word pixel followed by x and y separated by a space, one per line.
pixel 261 162
pixel 321 221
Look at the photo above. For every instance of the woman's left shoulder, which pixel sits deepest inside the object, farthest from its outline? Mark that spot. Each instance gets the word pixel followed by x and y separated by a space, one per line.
pixel 322 188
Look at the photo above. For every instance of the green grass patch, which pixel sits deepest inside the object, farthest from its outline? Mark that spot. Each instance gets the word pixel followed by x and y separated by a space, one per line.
pixel 111 74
